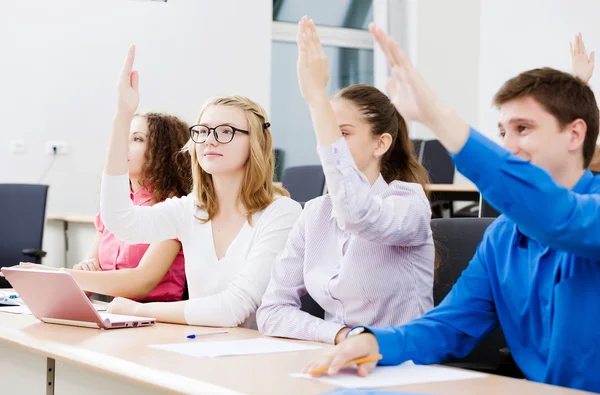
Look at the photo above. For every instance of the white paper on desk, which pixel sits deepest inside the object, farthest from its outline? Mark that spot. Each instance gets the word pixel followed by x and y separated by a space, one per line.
pixel 197 348
pixel 22 309
pixel 391 376
pixel 15 309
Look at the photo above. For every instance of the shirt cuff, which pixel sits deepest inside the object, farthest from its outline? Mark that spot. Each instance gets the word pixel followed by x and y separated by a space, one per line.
pixel 480 158
pixel 335 156
pixel 327 331
pixel 389 344
pixel 115 192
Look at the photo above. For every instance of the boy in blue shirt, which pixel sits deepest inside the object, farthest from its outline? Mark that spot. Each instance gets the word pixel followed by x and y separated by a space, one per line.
pixel 536 272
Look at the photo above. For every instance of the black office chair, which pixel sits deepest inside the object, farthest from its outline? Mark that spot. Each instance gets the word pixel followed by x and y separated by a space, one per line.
pixel 438 162
pixel 309 305
pixel 304 182
pixel 23 215
pixel 417 147
pixel 279 155
pixel 486 210
pixel 439 165
pixel 456 241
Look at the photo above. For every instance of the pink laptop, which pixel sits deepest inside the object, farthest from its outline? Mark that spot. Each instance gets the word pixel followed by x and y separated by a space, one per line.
pixel 55 297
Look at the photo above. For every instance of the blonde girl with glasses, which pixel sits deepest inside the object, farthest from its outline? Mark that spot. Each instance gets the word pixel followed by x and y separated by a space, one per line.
pixel 232 225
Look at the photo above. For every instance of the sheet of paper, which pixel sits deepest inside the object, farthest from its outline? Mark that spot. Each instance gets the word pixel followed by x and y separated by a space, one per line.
pixel 204 348
pixel 22 309
pixel 391 376
pixel 15 309
pixel 361 391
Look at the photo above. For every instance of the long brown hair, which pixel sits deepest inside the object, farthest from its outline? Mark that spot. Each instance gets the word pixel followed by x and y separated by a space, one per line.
pixel 166 171
pixel 399 162
pixel 257 190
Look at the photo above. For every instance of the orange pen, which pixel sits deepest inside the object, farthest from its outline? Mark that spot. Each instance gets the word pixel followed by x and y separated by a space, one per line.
pixel 359 361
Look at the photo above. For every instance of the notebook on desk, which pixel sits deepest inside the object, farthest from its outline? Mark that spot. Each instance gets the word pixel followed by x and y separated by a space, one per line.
pixel 56 298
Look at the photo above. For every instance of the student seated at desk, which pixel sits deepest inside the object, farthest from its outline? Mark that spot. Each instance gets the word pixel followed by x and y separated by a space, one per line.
pixel 365 251
pixel 232 225
pixel 536 272
pixel 157 171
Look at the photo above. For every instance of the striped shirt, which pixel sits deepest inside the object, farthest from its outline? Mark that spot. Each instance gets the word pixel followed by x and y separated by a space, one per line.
pixel 364 253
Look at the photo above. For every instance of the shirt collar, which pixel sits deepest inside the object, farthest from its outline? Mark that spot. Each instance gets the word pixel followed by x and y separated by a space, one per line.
pixel 141 196
pixel 584 183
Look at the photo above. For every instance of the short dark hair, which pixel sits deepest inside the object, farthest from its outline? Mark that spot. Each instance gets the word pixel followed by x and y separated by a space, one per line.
pixel 564 96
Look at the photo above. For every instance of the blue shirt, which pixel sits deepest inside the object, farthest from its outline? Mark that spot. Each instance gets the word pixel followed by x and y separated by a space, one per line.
pixel 536 273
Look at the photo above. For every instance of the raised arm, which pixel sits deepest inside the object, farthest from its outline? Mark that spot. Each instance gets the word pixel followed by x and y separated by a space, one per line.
pixel 523 191
pixel 133 224
pixel 400 219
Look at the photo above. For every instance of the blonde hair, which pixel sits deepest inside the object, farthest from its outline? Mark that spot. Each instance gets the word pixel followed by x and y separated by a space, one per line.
pixel 257 190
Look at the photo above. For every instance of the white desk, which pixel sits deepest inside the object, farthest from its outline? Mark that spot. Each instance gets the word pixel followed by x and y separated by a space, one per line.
pixel 91 361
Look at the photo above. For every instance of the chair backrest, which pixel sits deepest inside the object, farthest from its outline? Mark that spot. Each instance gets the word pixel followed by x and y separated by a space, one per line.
pixel 279 155
pixel 486 210
pixel 304 182
pixel 23 214
pixel 417 148
pixel 309 305
pixel 456 241
pixel 438 162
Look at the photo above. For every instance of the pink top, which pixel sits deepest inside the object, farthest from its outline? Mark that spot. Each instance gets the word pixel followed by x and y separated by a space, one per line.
pixel 114 254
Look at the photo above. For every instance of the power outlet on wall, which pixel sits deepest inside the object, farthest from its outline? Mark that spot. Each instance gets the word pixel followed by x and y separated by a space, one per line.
pixel 17 147
pixel 57 147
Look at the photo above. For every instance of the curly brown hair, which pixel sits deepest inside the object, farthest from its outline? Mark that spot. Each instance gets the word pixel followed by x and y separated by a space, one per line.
pixel 167 171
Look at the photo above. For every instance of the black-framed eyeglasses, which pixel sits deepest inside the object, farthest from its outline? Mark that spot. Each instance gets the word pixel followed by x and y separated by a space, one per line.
pixel 223 133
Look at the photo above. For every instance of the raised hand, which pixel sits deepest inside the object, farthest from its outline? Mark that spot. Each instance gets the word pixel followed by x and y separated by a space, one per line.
pixel 313 70
pixel 582 65
pixel 409 92
pixel 415 100
pixel 128 95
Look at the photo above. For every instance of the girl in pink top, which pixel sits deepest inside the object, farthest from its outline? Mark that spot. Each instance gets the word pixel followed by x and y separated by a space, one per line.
pixel 157 171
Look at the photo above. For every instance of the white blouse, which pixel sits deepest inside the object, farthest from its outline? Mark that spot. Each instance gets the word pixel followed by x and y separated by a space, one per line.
pixel 224 292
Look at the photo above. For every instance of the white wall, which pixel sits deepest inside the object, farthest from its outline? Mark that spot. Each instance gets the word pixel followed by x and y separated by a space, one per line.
pixel 442 39
pixel 60 60
pixel 521 35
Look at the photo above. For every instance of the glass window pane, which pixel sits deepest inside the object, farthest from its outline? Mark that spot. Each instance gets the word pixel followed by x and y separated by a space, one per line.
pixel 292 127
pixel 353 14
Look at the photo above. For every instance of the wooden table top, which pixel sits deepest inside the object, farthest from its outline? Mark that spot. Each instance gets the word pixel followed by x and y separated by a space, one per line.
pixel 125 353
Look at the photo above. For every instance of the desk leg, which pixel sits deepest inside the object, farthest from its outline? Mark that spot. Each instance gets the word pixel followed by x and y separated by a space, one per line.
pixel 74 379
pixel 66 231
pixel 50 363
pixel 22 372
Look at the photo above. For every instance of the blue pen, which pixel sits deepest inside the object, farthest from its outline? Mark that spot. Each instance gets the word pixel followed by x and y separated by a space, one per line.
pixel 193 336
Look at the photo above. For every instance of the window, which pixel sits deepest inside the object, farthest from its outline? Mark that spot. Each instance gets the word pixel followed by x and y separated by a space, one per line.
pixel 350 53
pixel 353 14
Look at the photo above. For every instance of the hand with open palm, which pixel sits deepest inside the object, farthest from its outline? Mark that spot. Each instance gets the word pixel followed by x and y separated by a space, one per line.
pixel 582 65
pixel 313 69
pixel 128 94
pixel 409 92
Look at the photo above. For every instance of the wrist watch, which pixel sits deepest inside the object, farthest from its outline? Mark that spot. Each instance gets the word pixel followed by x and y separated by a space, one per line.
pixel 357 330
